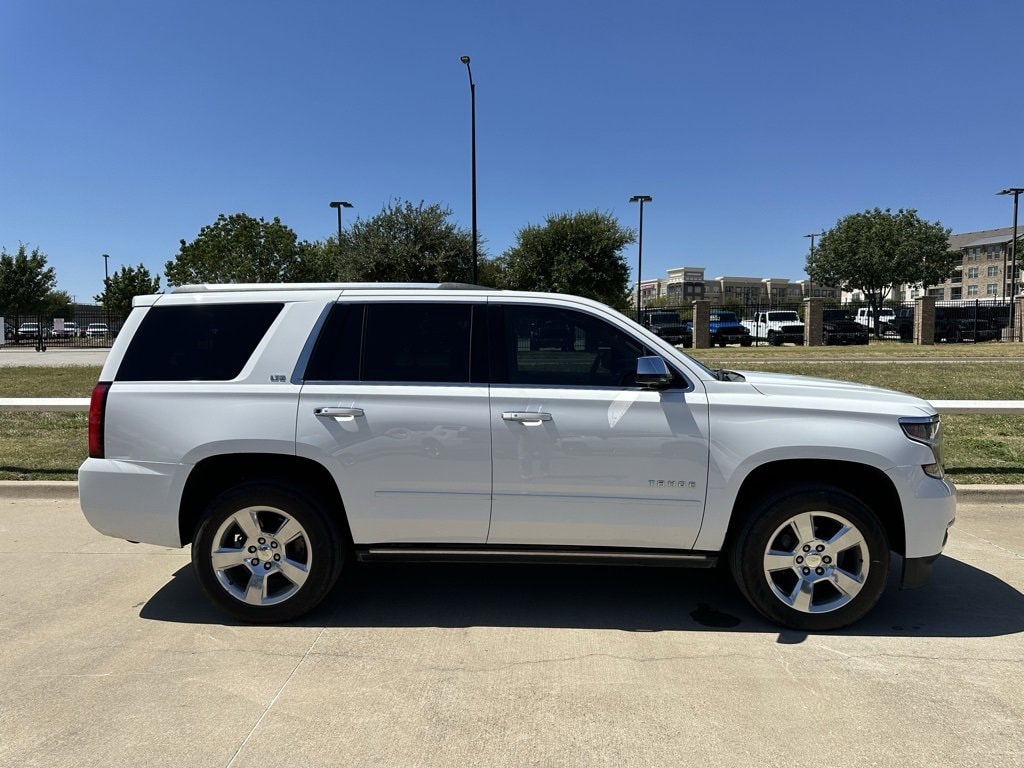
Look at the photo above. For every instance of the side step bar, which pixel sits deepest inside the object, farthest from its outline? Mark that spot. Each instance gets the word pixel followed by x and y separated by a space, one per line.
pixel 557 555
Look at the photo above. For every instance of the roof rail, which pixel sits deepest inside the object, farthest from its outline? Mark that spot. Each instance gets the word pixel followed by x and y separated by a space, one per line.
pixel 238 287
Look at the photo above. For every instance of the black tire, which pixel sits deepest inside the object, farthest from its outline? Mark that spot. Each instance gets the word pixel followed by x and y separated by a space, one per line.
pixel 319 549
pixel 773 339
pixel 797 588
pixel 746 342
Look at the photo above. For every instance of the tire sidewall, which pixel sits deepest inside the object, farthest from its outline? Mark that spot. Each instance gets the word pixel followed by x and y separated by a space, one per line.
pixel 747 557
pixel 325 545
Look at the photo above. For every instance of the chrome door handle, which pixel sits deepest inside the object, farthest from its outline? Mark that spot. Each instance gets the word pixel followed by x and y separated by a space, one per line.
pixel 335 413
pixel 526 418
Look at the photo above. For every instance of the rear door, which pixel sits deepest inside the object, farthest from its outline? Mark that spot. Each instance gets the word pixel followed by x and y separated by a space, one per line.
pixel 396 408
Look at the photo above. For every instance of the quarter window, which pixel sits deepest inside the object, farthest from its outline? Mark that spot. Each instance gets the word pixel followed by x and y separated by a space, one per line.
pixel 207 342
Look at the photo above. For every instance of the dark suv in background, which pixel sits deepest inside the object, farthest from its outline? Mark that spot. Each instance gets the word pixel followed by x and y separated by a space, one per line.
pixel 839 328
pixel 952 324
pixel 670 327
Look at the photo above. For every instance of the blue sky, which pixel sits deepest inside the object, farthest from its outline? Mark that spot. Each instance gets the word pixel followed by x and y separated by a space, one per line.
pixel 129 125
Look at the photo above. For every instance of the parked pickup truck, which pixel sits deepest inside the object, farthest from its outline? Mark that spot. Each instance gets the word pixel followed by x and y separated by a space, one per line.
pixel 725 328
pixel 670 327
pixel 776 326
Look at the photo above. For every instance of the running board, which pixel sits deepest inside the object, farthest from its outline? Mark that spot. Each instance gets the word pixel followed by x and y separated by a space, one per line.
pixel 557 555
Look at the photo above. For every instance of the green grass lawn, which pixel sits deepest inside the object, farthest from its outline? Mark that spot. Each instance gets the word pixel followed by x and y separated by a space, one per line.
pixel 979 449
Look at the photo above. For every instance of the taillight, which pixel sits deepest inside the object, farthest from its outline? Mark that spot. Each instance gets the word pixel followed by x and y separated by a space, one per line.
pixel 97 412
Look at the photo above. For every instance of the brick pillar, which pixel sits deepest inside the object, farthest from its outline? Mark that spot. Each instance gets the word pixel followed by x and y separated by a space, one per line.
pixel 813 331
pixel 701 324
pixel 924 320
pixel 1018 319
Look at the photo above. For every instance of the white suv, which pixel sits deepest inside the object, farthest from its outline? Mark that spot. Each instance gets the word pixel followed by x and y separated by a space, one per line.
pixel 286 430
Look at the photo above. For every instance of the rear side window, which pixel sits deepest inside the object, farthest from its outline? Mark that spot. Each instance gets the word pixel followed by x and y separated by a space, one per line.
pixel 397 342
pixel 209 342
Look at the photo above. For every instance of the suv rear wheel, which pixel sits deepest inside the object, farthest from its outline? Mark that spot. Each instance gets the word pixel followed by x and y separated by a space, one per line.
pixel 265 553
pixel 813 559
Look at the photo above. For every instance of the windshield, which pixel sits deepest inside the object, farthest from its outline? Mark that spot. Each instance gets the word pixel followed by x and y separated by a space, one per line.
pixel 665 317
pixel 783 317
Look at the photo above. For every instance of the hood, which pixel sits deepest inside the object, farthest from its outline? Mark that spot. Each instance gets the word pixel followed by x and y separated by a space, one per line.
pixel 830 393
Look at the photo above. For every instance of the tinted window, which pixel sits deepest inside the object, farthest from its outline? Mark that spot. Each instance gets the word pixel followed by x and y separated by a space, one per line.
pixel 547 345
pixel 196 343
pixel 336 354
pixel 417 342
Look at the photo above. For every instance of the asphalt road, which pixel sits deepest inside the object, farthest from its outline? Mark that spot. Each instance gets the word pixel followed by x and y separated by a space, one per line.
pixel 111 656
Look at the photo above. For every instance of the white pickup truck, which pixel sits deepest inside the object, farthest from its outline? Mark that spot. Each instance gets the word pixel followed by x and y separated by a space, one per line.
pixel 776 326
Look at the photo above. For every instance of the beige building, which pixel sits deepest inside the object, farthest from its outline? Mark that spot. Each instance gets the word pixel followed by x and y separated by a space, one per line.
pixel 979 272
pixel 687 284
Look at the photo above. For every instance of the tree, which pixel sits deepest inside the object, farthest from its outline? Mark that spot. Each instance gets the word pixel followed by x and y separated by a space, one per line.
pixel 123 286
pixel 25 281
pixel 239 249
pixel 58 304
pixel 576 253
pixel 407 243
pixel 876 250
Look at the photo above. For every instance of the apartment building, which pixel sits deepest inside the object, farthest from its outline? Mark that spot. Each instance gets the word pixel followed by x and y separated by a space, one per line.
pixel 980 269
pixel 687 284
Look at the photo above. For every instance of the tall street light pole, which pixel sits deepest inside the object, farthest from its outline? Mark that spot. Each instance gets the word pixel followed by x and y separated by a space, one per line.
pixel 472 107
pixel 810 283
pixel 640 248
pixel 106 289
pixel 1015 191
pixel 339 204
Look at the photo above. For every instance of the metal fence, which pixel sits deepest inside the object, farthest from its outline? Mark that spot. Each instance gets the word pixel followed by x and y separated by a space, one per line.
pixel 970 321
pixel 81 327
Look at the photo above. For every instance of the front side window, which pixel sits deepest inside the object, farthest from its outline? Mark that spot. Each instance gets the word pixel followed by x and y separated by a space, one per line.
pixel 563 347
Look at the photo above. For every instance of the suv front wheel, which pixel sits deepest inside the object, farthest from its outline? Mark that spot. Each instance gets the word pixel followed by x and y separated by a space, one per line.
pixel 813 559
pixel 265 553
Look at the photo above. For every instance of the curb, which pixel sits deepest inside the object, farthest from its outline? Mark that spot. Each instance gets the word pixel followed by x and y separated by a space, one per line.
pixel 67 489
pixel 38 489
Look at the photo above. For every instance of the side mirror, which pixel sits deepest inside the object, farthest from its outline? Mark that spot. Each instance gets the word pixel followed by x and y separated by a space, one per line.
pixel 652 372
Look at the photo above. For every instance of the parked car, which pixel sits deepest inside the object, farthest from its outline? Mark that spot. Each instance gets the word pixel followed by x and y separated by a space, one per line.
pixel 670 327
pixel 866 317
pixel 97 330
pixel 725 328
pixel 285 431
pixel 951 325
pixel 841 329
pixel 69 331
pixel 776 327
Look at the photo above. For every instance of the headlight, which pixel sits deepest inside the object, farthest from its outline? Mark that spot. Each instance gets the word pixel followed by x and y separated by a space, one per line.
pixel 926 430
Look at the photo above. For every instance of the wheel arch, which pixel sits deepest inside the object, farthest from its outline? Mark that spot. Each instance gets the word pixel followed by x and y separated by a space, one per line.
pixel 869 484
pixel 216 474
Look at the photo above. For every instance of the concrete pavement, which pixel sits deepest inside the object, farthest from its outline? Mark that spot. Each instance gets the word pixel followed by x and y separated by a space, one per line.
pixel 113 657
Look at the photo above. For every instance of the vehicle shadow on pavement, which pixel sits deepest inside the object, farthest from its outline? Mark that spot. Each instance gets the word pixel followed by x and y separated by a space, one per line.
pixel 960 601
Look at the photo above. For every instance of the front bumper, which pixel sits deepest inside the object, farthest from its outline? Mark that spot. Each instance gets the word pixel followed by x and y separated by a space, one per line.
pixel 929 510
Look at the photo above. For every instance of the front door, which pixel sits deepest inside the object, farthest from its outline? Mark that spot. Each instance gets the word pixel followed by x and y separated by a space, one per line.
pixel 582 455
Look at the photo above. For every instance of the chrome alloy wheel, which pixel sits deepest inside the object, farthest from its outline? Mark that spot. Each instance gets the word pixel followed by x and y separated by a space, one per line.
pixel 261 555
pixel 816 562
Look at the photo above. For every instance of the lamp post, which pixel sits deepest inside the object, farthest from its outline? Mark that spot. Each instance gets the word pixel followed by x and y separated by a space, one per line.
pixel 1015 191
pixel 472 108
pixel 640 248
pixel 810 283
pixel 339 204
pixel 106 289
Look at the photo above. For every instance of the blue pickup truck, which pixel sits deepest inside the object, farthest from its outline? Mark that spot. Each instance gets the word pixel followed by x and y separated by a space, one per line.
pixel 725 328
